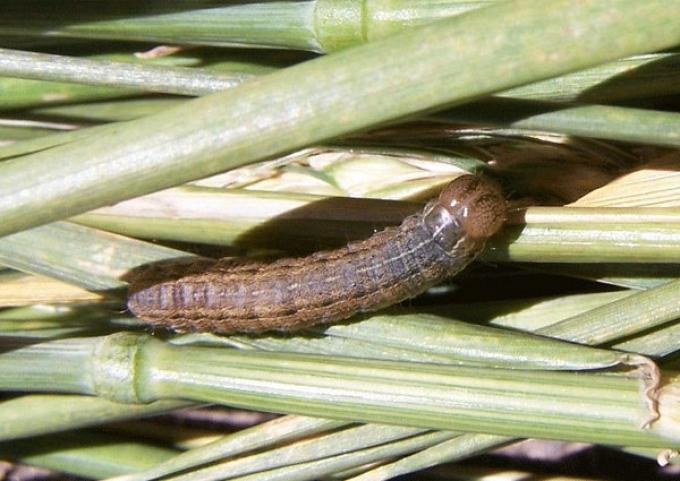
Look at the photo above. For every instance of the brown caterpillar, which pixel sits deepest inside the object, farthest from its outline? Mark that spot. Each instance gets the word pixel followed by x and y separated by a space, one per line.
pixel 392 265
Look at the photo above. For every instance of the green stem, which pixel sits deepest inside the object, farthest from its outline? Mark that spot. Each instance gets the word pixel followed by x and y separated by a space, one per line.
pixel 470 344
pixel 660 342
pixel 318 25
pixel 601 215
pixel 640 311
pixel 447 62
pixel 441 398
pixel 40 66
pixel 31 415
pixel 634 77
pixel 79 65
pixel 629 78
pixel 586 407
pixel 599 121
pixel 577 243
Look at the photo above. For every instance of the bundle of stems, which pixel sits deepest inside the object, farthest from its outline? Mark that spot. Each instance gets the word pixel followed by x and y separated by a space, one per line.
pixel 565 330
pixel 217 140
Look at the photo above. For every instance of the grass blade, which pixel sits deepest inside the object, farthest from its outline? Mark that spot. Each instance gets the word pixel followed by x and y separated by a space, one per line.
pixel 463 446
pixel 623 124
pixel 87 454
pixel 634 77
pixel 18 290
pixel 82 256
pixel 342 462
pixel 32 415
pixel 178 80
pixel 306 451
pixel 263 435
pixel 640 311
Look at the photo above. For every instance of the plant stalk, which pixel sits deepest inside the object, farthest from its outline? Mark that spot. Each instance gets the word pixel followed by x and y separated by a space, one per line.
pixel 585 407
pixel 317 25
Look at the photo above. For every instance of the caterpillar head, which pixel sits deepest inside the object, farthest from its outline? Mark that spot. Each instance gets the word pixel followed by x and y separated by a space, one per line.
pixel 470 208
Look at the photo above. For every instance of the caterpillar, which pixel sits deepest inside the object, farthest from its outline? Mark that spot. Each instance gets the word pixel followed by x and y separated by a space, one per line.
pixel 224 296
